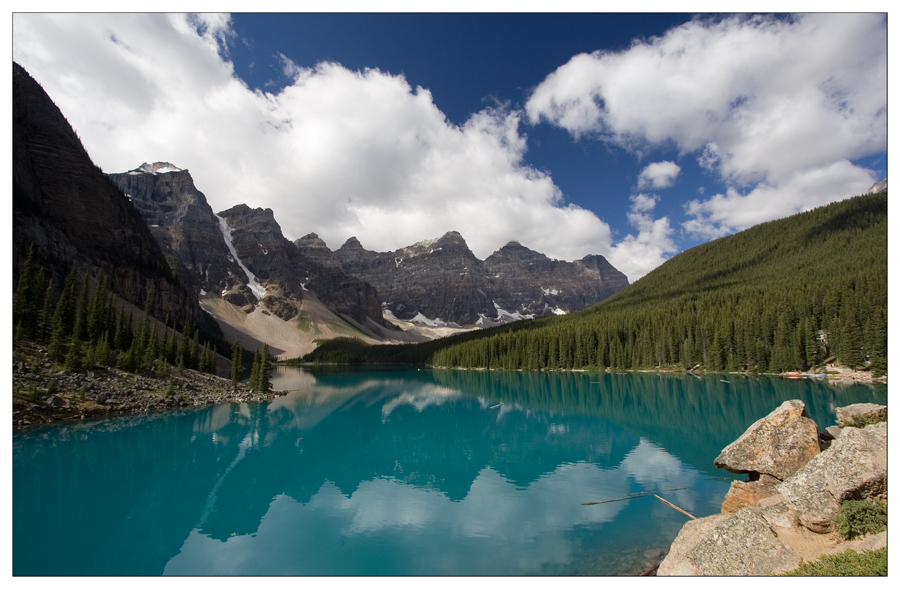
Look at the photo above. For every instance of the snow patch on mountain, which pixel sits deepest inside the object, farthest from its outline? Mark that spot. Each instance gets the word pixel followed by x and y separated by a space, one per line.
pixel 259 291
pixel 155 168
pixel 514 316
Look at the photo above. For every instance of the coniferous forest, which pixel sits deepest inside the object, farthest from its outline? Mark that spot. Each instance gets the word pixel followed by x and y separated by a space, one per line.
pixel 786 295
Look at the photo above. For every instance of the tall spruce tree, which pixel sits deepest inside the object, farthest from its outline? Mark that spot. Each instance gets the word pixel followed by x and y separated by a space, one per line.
pixel 25 299
pixel 236 360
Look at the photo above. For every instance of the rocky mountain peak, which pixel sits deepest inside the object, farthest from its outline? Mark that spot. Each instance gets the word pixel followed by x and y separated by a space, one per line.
pixel 155 168
pixel 315 248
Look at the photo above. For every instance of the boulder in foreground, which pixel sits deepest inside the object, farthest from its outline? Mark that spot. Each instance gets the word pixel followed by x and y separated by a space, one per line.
pixel 779 444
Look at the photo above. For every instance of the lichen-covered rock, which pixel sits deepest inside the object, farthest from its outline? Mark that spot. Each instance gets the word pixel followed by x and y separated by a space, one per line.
pixel 860 411
pixel 675 564
pixel 743 544
pixel 854 467
pixel 740 544
pixel 745 494
pixel 779 444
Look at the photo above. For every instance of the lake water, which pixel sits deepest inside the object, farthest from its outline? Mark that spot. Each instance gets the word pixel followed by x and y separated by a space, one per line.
pixel 394 472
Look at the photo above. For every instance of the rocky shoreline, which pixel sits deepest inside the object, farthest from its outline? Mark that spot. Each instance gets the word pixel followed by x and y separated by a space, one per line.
pixel 798 477
pixel 101 391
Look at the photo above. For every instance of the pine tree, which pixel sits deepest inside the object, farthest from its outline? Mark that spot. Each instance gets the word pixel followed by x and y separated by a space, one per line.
pixel 152 350
pixel 79 331
pixel 195 348
pixel 253 384
pixel 263 377
pixel 74 357
pixel 47 313
pixel 25 299
pixel 236 360
pixel 97 314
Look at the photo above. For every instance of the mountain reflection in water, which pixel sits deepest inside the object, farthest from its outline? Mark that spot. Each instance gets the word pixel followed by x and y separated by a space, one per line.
pixel 393 472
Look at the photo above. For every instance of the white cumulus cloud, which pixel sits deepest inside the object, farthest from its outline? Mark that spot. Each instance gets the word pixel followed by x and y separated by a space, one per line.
pixel 659 175
pixel 771 105
pixel 336 151
pixel 636 255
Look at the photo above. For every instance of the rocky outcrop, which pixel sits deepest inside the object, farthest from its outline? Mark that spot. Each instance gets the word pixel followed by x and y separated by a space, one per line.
pixel 75 217
pixel 767 527
pixel 184 226
pixel 281 266
pixel 860 412
pixel 778 444
pixel 315 248
pixel 741 544
pixel 101 391
pixel 854 467
pixel 442 282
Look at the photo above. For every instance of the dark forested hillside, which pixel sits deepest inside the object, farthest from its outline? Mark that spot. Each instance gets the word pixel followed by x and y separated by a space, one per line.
pixel 784 295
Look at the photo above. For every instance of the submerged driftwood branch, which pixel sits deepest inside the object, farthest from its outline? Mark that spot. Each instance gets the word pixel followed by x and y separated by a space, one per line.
pixel 632 496
pixel 675 507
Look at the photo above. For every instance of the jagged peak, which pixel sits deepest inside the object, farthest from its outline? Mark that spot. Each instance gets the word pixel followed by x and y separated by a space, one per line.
pixel 352 243
pixel 155 168
pixel 311 240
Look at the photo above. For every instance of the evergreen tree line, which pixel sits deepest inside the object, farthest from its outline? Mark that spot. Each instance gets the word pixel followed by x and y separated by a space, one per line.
pixel 82 328
pixel 260 378
pixel 786 295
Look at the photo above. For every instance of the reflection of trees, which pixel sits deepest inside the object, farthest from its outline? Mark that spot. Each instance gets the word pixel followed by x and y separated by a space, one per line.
pixel 692 417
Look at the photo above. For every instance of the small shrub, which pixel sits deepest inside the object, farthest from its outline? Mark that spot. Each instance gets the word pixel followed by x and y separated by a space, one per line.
pixel 51 387
pixel 33 394
pixel 169 389
pixel 862 421
pixel 870 563
pixel 860 517
pixel 81 394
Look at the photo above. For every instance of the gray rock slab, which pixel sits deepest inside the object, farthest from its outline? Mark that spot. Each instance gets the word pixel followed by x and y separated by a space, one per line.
pixel 854 467
pixel 846 415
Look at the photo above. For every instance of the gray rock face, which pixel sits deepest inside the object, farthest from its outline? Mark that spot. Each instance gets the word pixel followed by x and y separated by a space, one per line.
pixel 316 250
pixel 779 444
pixel 74 216
pixel 185 227
pixel 442 279
pixel 189 232
pixel 863 411
pixel 854 467
pixel 264 250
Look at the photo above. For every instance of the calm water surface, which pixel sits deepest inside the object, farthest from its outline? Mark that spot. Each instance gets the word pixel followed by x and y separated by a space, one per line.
pixel 394 472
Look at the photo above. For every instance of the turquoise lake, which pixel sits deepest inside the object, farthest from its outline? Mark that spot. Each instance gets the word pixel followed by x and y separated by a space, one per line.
pixel 395 472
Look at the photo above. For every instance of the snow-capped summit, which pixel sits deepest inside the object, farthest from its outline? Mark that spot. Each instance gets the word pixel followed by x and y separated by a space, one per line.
pixel 155 168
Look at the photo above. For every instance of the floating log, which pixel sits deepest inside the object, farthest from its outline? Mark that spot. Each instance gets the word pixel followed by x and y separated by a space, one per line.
pixel 675 507
pixel 632 496
pixel 495 406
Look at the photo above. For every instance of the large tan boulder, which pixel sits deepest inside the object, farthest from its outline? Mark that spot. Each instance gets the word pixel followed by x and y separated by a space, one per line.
pixel 854 467
pixel 740 544
pixel 779 444
pixel 675 564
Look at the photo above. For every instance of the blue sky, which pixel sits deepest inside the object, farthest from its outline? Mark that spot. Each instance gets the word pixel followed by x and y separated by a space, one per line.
pixel 634 136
